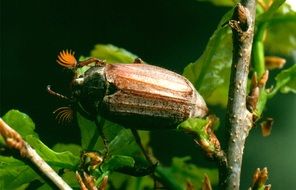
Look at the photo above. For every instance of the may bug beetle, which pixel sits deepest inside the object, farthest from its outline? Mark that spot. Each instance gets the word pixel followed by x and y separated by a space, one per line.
pixel 135 95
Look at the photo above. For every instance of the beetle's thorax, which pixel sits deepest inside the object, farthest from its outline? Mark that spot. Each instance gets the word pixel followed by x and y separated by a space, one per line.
pixel 90 88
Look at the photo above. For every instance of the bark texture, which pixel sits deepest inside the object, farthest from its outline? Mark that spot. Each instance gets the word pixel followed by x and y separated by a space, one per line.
pixel 239 119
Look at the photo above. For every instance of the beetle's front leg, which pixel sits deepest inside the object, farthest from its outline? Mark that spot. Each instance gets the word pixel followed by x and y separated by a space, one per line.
pixel 105 141
pixel 92 60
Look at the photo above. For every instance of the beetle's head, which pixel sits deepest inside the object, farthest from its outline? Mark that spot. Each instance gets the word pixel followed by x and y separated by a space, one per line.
pixel 89 83
pixel 88 86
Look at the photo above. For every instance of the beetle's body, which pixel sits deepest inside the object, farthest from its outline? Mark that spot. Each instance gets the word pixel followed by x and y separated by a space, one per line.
pixel 135 95
pixel 138 95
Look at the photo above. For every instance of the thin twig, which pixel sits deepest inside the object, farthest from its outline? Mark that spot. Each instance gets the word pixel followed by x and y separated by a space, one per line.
pixel 239 119
pixel 14 140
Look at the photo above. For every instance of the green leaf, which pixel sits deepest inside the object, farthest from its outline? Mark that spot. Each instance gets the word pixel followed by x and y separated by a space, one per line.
pixel 123 150
pixel 2 141
pixel 195 126
pixel 181 172
pixel 124 144
pixel 120 140
pixel 145 182
pixel 70 179
pixel 89 134
pixel 73 148
pixel 269 13
pixel 108 53
pixel 21 122
pixel 286 81
pixel 15 174
pixel 221 2
pixel 145 138
pixel 211 72
pixel 280 35
pixel 45 187
pixel 56 159
pixel 113 163
pixel 123 181
pixel 202 130
pixel 112 54
pixel 116 162
pixel 111 130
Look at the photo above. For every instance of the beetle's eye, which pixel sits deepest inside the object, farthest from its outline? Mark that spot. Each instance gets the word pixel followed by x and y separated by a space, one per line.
pixel 67 59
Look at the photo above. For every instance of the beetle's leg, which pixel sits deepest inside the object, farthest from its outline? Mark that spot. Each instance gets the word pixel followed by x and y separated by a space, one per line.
pixel 138 60
pixel 139 142
pixel 100 125
pixel 148 158
pixel 92 60
pixel 105 141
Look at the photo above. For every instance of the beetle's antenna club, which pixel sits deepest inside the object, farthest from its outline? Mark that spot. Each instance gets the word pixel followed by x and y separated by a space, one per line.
pixel 55 93
pixel 64 115
pixel 67 59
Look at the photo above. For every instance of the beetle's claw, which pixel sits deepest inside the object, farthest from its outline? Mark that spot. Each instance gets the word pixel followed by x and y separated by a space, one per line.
pixel 101 62
pixel 138 60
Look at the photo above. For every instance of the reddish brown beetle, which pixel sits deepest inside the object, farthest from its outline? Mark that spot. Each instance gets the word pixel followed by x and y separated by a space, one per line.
pixel 135 95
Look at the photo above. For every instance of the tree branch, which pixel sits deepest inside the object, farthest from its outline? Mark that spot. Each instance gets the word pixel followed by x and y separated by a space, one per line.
pixel 14 140
pixel 239 119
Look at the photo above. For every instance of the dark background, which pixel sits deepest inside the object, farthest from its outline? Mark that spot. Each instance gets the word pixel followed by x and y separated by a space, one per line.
pixel 170 33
